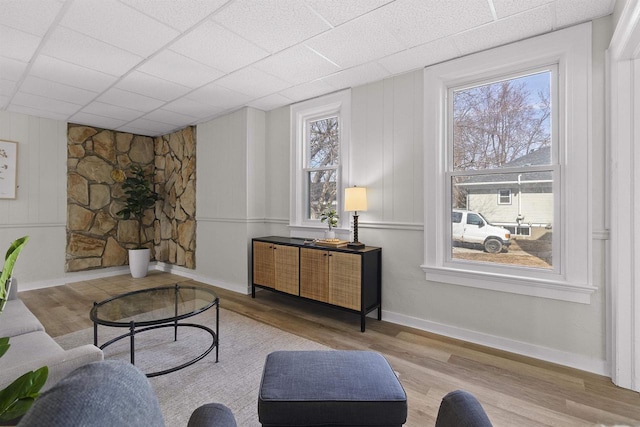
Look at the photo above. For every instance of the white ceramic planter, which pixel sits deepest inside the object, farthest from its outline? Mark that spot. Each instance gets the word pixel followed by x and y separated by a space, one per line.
pixel 329 234
pixel 139 262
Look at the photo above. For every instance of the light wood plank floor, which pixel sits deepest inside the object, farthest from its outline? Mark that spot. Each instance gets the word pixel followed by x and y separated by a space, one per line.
pixel 514 390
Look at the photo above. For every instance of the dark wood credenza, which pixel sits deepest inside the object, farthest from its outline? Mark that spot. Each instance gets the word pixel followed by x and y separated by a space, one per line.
pixel 348 279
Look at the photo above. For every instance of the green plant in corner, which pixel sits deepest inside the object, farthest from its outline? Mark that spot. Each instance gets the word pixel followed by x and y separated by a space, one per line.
pixel 16 399
pixel 331 216
pixel 139 197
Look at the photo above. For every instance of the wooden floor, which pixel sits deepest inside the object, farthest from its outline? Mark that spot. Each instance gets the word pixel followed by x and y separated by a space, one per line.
pixel 514 390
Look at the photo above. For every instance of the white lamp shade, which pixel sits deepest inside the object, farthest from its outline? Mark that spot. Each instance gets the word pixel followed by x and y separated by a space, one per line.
pixel 355 199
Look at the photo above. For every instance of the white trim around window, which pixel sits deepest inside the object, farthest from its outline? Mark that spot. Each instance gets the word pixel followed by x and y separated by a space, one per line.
pixel 339 104
pixel 570 50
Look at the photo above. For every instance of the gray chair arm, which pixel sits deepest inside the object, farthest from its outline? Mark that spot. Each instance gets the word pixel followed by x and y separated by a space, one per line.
pixel 212 415
pixel 461 409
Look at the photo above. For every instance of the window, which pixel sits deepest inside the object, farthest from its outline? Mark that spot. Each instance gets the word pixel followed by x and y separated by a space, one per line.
pixel 319 147
pixel 505 125
pixel 504 197
pixel 322 160
pixel 502 132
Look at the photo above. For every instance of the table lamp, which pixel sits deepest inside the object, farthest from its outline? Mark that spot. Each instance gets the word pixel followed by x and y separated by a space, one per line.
pixel 355 199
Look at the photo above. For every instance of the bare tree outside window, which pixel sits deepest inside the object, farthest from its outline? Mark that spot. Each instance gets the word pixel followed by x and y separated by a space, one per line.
pixel 323 151
pixel 504 125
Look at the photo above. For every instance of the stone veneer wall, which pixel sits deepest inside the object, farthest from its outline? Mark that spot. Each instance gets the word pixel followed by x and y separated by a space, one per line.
pixel 96 236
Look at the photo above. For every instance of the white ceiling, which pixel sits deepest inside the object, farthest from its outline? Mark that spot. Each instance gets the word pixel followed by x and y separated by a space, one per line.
pixel 153 66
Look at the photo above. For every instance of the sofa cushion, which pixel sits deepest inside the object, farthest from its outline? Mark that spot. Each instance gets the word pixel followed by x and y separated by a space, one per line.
pixel 337 388
pixel 16 319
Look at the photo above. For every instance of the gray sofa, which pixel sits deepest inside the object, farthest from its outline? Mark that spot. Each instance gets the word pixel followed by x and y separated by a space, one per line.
pixel 32 348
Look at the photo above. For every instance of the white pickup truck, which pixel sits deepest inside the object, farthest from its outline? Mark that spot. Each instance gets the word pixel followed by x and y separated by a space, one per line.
pixel 471 228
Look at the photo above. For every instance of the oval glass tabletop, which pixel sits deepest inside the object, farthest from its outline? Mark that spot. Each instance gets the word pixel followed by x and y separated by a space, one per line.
pixel 153 306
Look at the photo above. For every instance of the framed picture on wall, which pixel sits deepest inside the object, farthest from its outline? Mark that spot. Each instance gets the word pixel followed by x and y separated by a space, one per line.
pixel 8 169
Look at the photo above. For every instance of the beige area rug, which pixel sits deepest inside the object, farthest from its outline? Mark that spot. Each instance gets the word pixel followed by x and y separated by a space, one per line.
pixel 234 380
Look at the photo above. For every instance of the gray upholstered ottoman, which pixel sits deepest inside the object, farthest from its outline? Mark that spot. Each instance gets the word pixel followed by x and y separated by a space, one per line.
pixel 330 388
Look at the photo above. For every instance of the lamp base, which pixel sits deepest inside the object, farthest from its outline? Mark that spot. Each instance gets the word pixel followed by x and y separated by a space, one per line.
pixel 355 245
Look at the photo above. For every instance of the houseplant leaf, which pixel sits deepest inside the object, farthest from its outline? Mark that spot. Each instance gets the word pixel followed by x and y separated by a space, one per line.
pixel 17 398
pixel 10 260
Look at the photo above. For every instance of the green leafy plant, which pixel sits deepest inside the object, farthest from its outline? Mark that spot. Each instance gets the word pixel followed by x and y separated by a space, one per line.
pixel 139 197
pixel 16 399
pixel 9 261
pixel 331 217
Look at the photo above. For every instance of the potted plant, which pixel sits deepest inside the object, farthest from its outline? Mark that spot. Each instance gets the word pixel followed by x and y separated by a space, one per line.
pixel 139 198
pixel 17 397
pixel 331 217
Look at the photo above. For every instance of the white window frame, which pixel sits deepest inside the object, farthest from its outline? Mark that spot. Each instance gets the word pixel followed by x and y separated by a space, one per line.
pixel 339 104
pixel 571 279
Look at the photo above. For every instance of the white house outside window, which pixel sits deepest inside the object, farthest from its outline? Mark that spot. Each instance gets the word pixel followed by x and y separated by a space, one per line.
pixel 511 123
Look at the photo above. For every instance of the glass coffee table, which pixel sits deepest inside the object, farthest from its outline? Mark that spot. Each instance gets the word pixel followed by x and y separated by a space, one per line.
pixel 154 308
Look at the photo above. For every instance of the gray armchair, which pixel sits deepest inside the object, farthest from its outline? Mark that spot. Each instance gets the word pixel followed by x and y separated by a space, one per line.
pixel 461 409
pixel 111 393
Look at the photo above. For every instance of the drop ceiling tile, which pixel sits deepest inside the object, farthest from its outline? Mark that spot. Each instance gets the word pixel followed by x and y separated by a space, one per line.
pixel 135 101
pixel 11 69
pixel 79 49
pixel 118 25
pixel 191 108
pixel 507 30
pixel 307 90
pixel 252 82
pixel 70 74
pixel 170 117
pixel 17 44
pixel 154 87
pixel 54 90
pixel 180 15
pixel 420 56
pixel 37 112
pixel 511 7
pixel 357 76
pixel 153 127
pixel 42 103
pixel 339 11
pixel 112 111
pixel 272 25
pixel 84 118
pixel 270 102
pixel 4 100
pixel 218 96
pixel 296 65
pixel 218 47
pixel 569 12
pixel 7 87
pixel 179 69
pixel 137 131
pixel 415 22
pixel 356 42
pixel 31 16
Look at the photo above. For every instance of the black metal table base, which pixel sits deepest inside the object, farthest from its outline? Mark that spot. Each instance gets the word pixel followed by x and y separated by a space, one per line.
pixel 134 332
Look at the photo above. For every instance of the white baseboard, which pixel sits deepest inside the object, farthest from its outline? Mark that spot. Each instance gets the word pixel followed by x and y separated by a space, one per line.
pixel 188 273
pixel 577 361
pixel 73 278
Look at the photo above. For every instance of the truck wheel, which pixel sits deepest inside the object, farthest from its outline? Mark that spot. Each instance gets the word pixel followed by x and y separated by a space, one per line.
pixel 493 245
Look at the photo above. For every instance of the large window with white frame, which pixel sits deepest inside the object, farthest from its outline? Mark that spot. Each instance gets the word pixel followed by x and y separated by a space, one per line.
pixel 512 123
pixel 319 147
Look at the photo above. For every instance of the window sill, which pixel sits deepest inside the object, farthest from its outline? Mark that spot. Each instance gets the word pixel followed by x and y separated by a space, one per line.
pixel 543 288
